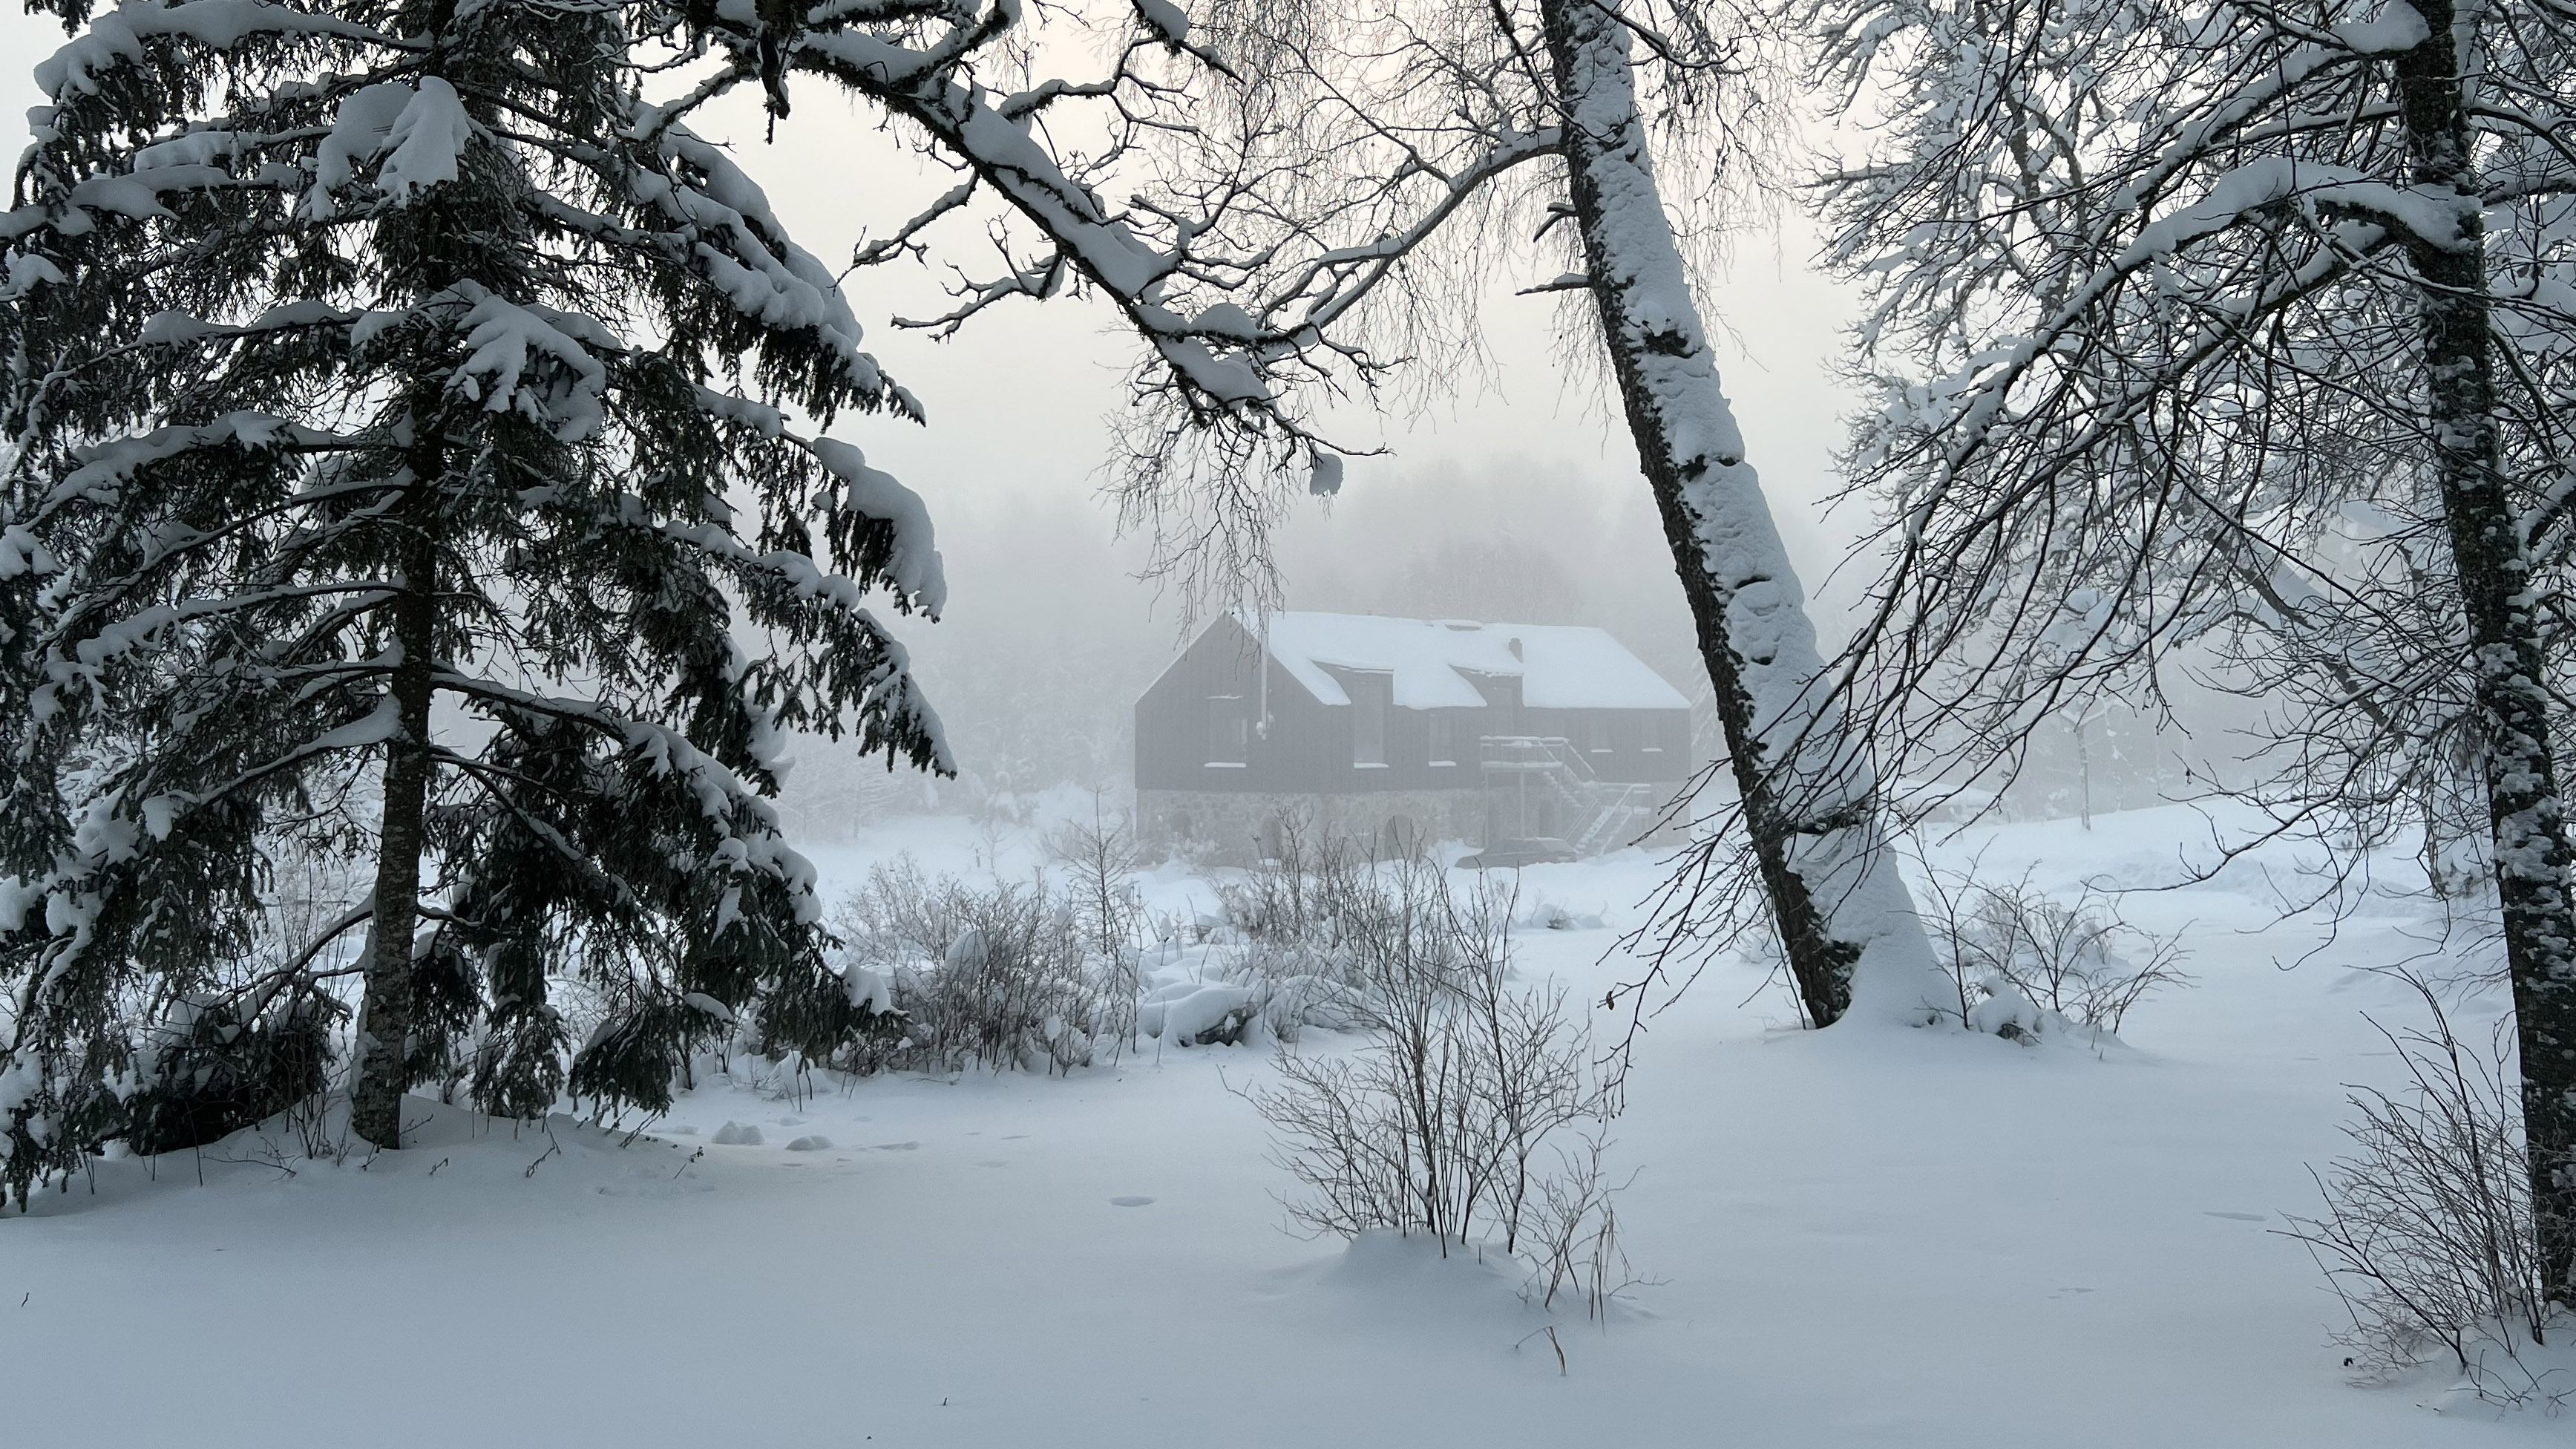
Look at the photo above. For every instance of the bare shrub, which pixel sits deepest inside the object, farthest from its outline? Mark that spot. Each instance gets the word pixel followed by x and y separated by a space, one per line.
pixel 1471 1110
pixel 2428 1234
pixel 1099 859
pixel 1287 897
pixel 997 977
pixel 2022 960
pixel 1570 1230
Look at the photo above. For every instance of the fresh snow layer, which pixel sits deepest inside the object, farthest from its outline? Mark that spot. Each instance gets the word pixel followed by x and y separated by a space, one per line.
pixel 1431 660
pixel 1886 1239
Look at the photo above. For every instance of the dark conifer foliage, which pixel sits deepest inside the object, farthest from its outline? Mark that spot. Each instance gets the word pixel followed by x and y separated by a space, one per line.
pixel 406 474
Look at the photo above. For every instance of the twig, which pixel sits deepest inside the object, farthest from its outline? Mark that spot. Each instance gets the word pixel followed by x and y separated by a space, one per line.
pixel 552 1147
pixel 1552 1342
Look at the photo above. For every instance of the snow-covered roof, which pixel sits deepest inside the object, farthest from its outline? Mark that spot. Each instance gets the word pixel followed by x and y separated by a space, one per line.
pixel 1559 666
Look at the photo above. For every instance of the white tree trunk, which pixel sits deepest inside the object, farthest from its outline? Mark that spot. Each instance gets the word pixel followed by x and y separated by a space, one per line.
pixel 2489 548
pixel 1810 792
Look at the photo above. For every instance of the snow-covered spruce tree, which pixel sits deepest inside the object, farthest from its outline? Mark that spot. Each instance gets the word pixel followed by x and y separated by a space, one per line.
pixel 400 472
pixel 2168 294
pixel 1343 176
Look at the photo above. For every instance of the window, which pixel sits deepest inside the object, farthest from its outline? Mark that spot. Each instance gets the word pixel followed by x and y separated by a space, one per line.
pixel 1444 737
pixel 1650 734
pixel 1368 718
pixel 1229 731
pixel 1598 730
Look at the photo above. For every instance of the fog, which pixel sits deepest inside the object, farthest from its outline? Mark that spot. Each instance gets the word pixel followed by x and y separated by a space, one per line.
pixel 1510 494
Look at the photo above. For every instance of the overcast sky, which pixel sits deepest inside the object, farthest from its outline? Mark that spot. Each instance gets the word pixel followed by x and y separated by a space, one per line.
pixel 1015 437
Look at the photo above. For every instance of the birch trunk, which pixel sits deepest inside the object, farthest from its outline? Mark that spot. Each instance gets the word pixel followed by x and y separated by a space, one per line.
pixel 1810 795
pixel 2490 552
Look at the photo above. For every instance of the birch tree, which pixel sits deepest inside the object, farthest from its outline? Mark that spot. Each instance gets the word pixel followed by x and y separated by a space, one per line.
pixel 1811 804
pixel 2165 297
pixel 1324 211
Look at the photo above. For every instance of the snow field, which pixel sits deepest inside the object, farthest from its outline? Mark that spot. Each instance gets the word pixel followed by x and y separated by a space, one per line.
pixel 1860 1237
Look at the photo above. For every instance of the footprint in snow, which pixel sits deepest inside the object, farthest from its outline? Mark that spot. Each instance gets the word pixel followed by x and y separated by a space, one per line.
pixel 1129 1201
pixel 898 1147
pixel 2235 1217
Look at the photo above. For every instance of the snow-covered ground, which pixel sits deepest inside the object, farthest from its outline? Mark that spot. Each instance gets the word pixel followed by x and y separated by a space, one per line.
pixel 1905 1239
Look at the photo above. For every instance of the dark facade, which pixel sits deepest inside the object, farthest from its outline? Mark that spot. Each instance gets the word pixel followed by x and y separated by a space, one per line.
pixel 1199 732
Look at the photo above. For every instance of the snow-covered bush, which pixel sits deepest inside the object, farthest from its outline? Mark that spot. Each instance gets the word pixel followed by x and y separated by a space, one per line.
pixel 995 977
pixel 2025 963
pixel 1289 896
pixel 1547 915
pixel 1303 925
pixel 211 1067
pixel 1472 1110
pixel 2428 1233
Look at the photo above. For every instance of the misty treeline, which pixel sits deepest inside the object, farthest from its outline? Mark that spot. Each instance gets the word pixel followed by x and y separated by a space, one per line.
pixel 420 462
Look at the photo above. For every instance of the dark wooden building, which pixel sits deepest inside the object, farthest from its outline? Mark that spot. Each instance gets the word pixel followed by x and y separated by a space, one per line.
pixel 1409 729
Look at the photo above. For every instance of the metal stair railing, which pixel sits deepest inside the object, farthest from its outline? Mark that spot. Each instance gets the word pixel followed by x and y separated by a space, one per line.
pixel 1616 817
pixel 1599 812
pixel 1533 754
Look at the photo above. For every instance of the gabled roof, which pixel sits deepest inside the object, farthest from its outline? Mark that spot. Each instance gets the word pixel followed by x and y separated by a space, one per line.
pixel 1559 666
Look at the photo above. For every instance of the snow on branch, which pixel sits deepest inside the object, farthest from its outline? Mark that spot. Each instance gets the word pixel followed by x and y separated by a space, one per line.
pixel 101 468
pixel 537 361
pixel 739 245
pixel 118 37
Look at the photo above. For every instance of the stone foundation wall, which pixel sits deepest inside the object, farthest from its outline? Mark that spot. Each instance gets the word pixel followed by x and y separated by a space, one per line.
pixel 1244 827
pixel 1238 828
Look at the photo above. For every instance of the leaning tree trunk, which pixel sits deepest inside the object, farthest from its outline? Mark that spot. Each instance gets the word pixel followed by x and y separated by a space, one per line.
pixel 1810 794
pixel 2491 554
pixel 385 1019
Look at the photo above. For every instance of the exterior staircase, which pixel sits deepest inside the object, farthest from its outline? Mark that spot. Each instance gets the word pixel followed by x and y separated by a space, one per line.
pixel 1625 813
pixel 1595 815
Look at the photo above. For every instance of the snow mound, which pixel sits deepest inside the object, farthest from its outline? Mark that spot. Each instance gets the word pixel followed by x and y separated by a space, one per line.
pixel 1417 1278
pixel 813 1142
pixel 1210 1013
pixel 1547 915
pixel 736 1134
